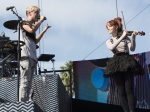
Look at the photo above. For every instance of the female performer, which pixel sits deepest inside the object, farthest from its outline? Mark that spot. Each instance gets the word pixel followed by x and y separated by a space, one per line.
pixel 122 67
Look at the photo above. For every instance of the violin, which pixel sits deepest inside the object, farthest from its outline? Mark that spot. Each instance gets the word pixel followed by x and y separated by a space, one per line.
pixel 141 33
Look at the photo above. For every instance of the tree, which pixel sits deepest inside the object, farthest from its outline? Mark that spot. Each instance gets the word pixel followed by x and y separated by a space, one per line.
pixel 65 76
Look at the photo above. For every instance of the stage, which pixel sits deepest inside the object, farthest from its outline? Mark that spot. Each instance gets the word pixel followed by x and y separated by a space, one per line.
pixel 93 92
pixel 50 97
pixel 89 106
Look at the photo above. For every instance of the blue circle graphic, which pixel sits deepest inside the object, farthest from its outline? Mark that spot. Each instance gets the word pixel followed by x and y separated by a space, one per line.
pixel 98 80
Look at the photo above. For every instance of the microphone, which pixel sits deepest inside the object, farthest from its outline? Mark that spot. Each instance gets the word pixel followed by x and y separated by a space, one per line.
pixel 44 18
pixel 11 7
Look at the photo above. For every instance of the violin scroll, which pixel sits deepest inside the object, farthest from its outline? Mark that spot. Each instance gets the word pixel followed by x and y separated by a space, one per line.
pixel 141 33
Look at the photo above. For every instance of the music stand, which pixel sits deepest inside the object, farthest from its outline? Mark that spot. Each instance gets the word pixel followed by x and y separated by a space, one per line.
pixel 45 57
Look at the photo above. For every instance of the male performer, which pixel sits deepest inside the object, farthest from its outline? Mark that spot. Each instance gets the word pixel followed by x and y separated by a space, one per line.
pixel 28 59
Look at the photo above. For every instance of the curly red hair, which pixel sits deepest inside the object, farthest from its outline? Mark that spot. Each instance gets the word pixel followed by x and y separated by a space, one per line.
pixel 116 22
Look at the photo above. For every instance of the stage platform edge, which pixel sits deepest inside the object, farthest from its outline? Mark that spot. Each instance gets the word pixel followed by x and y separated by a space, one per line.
pixel 89 106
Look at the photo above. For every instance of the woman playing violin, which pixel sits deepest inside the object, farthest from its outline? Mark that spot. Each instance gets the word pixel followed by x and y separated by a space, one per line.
pixel 122 67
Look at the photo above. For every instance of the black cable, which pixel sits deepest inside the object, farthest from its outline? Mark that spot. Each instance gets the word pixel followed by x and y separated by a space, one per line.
pixel 138 14
pixel 97 48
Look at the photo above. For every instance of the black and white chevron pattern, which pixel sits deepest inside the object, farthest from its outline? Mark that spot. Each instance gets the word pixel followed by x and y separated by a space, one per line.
pixel 17 107
pixel 49 93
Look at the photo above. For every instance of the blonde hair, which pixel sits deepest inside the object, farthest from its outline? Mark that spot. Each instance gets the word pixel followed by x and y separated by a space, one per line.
pixel 31 9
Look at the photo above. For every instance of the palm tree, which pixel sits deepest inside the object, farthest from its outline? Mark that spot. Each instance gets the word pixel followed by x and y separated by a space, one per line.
pixel 65 76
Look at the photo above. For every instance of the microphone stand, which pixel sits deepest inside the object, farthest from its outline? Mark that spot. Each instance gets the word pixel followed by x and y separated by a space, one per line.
pixel 39 69
pixel 18 52
pixel 53 66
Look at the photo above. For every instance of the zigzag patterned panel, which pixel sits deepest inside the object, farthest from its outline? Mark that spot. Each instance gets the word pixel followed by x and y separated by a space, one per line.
pixel 49 93
pixel 17 107
pixel 8 89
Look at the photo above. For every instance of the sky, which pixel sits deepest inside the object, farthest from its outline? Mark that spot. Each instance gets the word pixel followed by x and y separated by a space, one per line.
pixel 78 29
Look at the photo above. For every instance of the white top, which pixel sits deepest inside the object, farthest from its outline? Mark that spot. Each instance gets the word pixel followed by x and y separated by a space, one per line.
pixel 120 47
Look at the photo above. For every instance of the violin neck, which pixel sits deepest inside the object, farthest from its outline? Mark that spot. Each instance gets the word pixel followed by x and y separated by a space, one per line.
pixel 129 33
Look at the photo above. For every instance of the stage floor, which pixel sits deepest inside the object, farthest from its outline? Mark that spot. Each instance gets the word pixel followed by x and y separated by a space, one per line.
pixel 88 106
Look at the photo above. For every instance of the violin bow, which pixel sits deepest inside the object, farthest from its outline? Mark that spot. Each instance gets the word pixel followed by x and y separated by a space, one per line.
pixel 123 20
pixel 125 47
